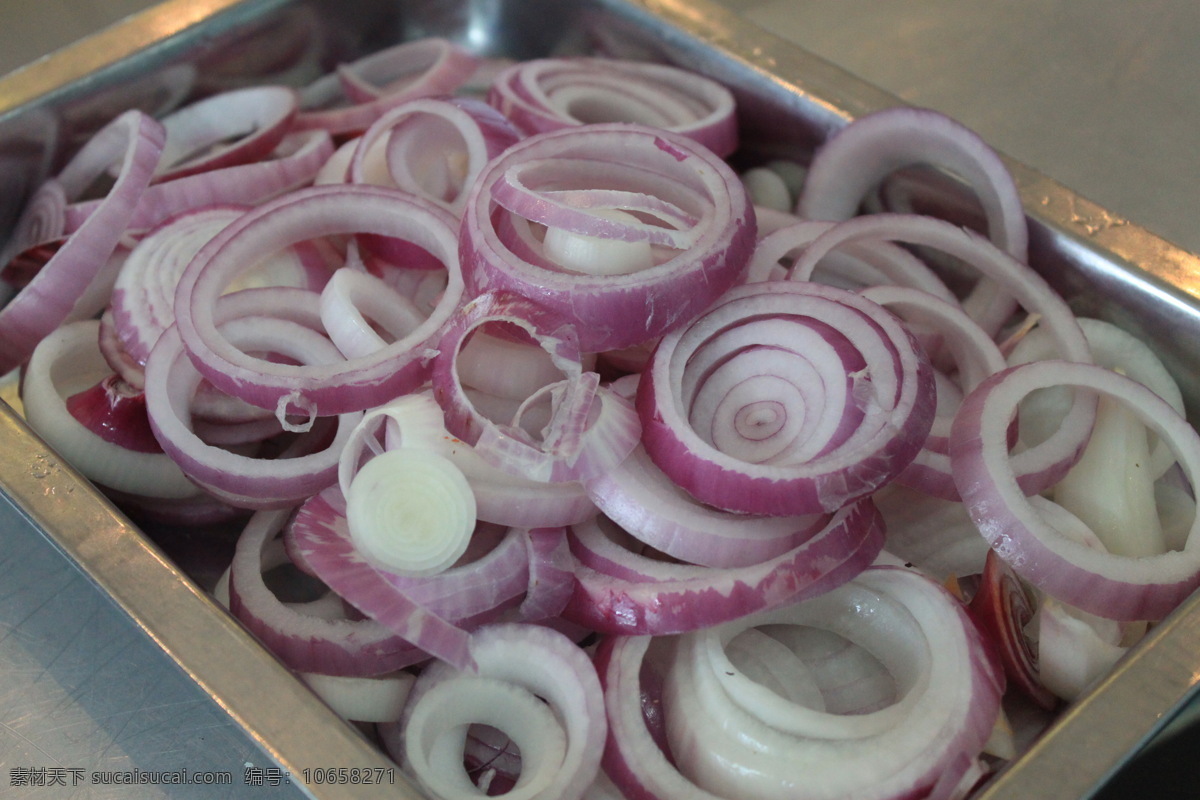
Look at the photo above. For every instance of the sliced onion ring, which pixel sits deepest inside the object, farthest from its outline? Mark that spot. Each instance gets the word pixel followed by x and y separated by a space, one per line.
pixel 328 388
pixel 1100 583
pixel 134 141
pixel 1042 465
pixel 611 311
pixel 786 398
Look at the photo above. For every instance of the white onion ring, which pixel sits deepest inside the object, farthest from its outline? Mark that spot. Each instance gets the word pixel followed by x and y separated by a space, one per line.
pixel 561 739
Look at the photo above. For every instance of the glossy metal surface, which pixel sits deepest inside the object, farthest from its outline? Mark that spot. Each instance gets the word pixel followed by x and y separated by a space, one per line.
pixel 791 101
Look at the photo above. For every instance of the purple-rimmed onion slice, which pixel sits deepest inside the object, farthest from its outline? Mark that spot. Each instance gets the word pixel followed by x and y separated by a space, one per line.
pixel 858 157
pixel 590 427
pixel 786 398
pixel 67 364
pixel 640 498
pixel 491 577
pixel 737 730
pixel 1112 347
pixel 776 255
pixel 226 129
pixel 307 638
pixel 432 147
pixel 552 93
pixel 172 382
pixel 1112 586
pixel 328 387
pixel 532 684
pixel 639 215
pixel 975 356
pixel 1042 465
pixel 620 591
pixel 319 538
pixel 143 297
pixel 290 166
pixel 347 101
pixel 134 141
pixel 870 148
pixel 420 68
pixel 499 576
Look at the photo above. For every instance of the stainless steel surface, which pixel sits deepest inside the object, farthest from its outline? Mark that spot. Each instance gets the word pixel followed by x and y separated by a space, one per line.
pixel 85 692
pixel 791 98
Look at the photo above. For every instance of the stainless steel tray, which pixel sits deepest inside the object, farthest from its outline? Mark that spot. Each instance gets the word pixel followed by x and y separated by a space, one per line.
pixel 790 101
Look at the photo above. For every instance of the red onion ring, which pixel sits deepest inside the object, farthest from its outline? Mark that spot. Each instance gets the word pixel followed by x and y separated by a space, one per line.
pixel 329 387
pixel 226 129
pixel 591 429
pixel 642 500
pixel 1042 465
pixel 135 141
pixel 344 103
pixel 308 643
pixel 613 311
pixel 432 147
pixel 976 357
pixel 143 296
pixel 855 159
pixel 172 381
pixel 1100 583
pixel 948 698
pixel 620 592
pixel 292 164
pixel 419 68
pixel 786 398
